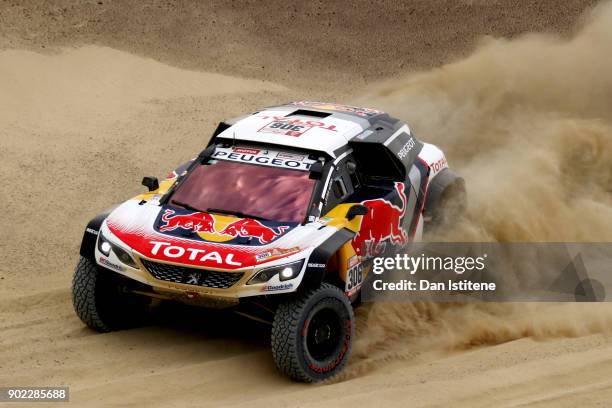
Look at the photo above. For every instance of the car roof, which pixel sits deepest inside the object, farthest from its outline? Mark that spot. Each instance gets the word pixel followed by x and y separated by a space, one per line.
pixel 310 125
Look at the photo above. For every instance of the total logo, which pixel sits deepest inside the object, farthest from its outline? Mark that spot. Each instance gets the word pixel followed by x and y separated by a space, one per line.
pixel 439 165
pixel 194 254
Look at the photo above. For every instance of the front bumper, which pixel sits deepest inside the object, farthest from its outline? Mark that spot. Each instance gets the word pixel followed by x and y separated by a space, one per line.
pixel 192 284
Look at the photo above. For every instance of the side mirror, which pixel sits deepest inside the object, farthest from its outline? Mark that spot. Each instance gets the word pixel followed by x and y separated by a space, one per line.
pixel 150 182
pixel 316 171
pixel 357 209
pixel 351 167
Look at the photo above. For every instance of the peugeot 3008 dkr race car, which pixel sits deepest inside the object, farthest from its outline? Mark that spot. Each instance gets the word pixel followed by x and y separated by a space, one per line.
pixel 279 217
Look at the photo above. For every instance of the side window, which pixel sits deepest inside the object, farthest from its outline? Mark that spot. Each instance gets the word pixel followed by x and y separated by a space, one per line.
pixel 342 184
pixel 339 188
pixel 351 168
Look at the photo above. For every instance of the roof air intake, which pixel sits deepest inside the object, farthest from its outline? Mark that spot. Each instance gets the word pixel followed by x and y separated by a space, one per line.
pixel 314 114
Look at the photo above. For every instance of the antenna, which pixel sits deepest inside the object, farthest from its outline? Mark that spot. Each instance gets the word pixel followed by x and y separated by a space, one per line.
pixel 233 139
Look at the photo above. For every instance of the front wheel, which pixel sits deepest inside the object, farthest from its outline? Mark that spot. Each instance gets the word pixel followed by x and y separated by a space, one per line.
pixel 311 335
pixel 100 301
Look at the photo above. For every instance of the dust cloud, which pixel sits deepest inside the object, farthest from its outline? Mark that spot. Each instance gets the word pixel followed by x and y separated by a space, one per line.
pixel 527 123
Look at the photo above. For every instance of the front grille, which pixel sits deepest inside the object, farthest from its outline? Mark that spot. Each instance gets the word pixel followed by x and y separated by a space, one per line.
pixel 192 276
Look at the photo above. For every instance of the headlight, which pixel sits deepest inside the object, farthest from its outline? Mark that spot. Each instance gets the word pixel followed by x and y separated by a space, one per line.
pixel 284 272
pixel 105 246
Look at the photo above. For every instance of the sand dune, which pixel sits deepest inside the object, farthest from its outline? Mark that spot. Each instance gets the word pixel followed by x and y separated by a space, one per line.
pixel 90 86
pixel 80 125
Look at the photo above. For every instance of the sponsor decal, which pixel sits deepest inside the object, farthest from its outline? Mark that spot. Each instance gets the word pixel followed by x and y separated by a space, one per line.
pixel 354 279
pixel 374 234
pixel 285 128
pixel 279 286
pixel 275 253
pixel 149 243
pixel 290 156
pixel 263 158
pixel 292 126
pixel 405 150
pixel 439 165
pixel 356 110
pixel 104 261
pixel 205 223
pixel 202 255
pixel 352 261
pixel 246 150
pixel 263 256
pixel 196 222
pixel 248 228
pixel 316 265
pixel 92 231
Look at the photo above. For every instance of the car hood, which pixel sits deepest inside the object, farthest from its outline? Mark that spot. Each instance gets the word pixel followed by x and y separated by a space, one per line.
pixel 202 239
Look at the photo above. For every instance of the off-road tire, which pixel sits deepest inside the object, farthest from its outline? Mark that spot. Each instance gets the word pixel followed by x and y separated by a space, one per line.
pixel 292 332
pixel 100 302
pixel 446 202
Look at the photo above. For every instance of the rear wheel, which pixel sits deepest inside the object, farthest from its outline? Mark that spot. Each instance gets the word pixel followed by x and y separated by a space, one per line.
pixel 446 201
pixel 100 301
pixel 311 335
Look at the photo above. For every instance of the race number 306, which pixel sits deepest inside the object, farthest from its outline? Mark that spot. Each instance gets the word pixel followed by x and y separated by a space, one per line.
pixel 354 277
pixel 285 128
pixel 295 127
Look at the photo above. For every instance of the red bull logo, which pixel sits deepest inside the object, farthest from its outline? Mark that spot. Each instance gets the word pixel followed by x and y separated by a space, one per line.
pixel 196 222
pixel 248 228
pixel 382 224
pixel 204 222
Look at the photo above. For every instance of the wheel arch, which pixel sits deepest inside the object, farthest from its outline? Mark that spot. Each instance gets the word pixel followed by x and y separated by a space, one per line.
pixel 444 185
pixel 316 268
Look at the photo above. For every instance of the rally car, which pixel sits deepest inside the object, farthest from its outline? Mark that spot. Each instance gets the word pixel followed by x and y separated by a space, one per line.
pixel 279 217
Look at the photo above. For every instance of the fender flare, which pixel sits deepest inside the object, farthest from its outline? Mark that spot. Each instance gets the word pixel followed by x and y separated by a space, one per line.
pixel 316 266
pixel 90 236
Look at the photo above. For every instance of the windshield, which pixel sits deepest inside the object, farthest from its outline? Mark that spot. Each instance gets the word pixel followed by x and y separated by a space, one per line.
pixel 270 193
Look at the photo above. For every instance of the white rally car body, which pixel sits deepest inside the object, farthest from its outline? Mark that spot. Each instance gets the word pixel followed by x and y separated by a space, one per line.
pixel 363 156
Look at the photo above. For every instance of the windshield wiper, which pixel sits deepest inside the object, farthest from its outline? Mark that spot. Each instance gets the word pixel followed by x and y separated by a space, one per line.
pixel 185 206
pixel 236 213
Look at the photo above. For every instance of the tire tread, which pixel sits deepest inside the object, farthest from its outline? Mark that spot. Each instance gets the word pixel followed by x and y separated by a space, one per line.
pixel 84 295
pixel 285 337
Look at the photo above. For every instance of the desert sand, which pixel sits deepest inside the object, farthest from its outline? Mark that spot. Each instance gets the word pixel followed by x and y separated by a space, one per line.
pixel 94 95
